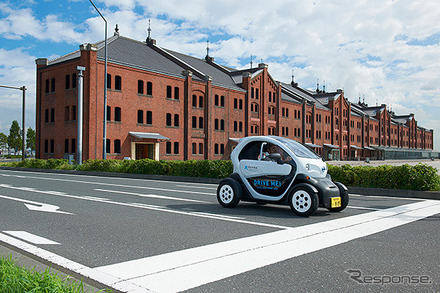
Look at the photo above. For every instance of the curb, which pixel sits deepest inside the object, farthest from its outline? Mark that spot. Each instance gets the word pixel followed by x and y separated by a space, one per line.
pixel 368 191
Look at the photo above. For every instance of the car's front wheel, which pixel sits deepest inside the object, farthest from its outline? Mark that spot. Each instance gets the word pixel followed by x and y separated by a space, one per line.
pixel 303 201
pixel 229 193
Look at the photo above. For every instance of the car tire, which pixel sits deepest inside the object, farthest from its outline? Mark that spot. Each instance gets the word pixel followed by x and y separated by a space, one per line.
pixel 229 193
pixel 344 200
pixel 303 201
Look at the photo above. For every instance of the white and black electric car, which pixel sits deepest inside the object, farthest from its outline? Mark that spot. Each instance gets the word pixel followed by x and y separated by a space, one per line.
pixel 278 170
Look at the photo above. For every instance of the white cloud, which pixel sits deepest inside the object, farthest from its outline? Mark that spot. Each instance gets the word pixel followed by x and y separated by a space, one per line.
pixel 361 46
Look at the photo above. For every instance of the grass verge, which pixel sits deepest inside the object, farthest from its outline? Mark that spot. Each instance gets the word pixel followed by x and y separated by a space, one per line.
pixel 15 279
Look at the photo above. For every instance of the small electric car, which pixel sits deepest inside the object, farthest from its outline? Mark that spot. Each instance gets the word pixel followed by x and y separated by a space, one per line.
pixel 278 170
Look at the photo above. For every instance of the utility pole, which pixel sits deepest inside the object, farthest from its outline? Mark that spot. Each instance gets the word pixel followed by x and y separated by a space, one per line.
pixel 80 114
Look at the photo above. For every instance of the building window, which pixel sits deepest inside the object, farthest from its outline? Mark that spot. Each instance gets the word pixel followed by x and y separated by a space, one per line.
pixel 194 122
pixel 176 148
pixel 46 146
pixel 200 101
pixel 52 85
pixel 66 113
pixel 47 87
pixel 216 149
pixel 149 88
pixel 222 125
pixel 201 148
pixel 236 126
pixel 149 117
pixel 46 116
pixel 201 122
pixel 67 82
pixel 52 146
pixel 118 82
pixel 194 148
pixel 74 113
pixel 240 104
pixel 140 86
pixel 216 100
pixel 66 144
pixel 256 94
pixel 109 81
pixel 216 124
pixel 117 146
pixel 168 119
pixel 235 104
pixel 194 101
pixel 168 147
pixel 169 91
pixel 117 114
pixel 222 101
pixel 74 80
pixel 222 149
pixel 176 120
pixel 240 126
pixel 140 117
pixel 73 147
pixel 52 115
pixel 107 145
pixel 109 113
pixel 176 93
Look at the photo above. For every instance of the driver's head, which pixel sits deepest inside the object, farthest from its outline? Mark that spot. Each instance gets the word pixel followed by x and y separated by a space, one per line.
pixel 271 148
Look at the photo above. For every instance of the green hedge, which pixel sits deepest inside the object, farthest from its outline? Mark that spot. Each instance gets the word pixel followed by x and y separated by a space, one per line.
pixel 418 177
pixel 191 168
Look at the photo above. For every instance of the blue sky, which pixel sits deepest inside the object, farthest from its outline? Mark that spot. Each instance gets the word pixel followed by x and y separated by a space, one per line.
pixel 385 51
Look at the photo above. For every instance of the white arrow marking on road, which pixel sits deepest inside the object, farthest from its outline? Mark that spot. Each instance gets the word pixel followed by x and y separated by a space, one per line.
pixel 38 206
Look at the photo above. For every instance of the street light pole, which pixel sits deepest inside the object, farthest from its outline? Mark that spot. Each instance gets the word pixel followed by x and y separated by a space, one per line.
pixel 23 89
pixel 80 114
pixel 104 143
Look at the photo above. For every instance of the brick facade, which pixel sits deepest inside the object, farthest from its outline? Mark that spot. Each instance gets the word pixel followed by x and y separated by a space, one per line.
pixel 202 107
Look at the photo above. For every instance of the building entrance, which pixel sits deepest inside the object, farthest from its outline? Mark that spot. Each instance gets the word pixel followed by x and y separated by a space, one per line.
pixel 144 151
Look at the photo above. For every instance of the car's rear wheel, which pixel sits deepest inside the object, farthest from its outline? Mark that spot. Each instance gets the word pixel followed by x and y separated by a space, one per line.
pixel 303 201
pixel 229 193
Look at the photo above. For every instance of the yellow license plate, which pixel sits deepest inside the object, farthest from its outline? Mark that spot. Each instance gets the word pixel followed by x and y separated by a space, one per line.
pixel 336 202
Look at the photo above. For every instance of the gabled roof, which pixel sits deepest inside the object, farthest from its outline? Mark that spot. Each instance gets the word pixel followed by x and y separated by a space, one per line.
pixel 136 54
pixel 295 94
pixel 219 77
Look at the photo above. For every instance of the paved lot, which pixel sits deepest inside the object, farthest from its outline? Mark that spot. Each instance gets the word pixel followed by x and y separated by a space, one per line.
pixel 166 236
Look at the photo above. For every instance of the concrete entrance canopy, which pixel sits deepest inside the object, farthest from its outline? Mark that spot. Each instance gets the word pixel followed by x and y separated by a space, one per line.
pixel 312 145
pixel 145 145
pixel 331 146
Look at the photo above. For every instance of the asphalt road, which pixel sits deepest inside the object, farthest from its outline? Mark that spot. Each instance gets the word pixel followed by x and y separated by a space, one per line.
pixel 163 236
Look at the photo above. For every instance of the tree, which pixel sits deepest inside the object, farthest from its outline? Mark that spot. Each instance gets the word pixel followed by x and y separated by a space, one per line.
pixel 15 136
pixel 3 141
pixel 30 139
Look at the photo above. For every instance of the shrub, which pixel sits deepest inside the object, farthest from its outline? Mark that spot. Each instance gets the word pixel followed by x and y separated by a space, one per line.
pixel 419 177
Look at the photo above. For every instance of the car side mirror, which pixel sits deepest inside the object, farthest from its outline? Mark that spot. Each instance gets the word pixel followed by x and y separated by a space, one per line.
pixel 276 157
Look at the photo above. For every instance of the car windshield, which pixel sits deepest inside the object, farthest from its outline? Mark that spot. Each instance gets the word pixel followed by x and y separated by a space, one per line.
pixel 298 149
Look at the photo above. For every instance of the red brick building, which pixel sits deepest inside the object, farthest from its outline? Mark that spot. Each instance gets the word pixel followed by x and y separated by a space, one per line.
pixel 166 105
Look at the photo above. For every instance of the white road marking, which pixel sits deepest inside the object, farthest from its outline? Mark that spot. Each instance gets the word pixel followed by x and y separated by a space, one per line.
pixel 363 208
pixel 152 196
pixel 26 236
pixel 154 208
pixel 384 197
pixel 100 277
pixel 120 185
pixel 198 187
pixel 201 265
pixel 37 206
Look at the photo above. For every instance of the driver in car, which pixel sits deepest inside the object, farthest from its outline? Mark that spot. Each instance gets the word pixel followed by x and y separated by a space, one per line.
pixel 271 149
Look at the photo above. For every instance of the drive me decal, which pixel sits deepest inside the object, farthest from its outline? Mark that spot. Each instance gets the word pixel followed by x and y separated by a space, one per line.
pixel 267 184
